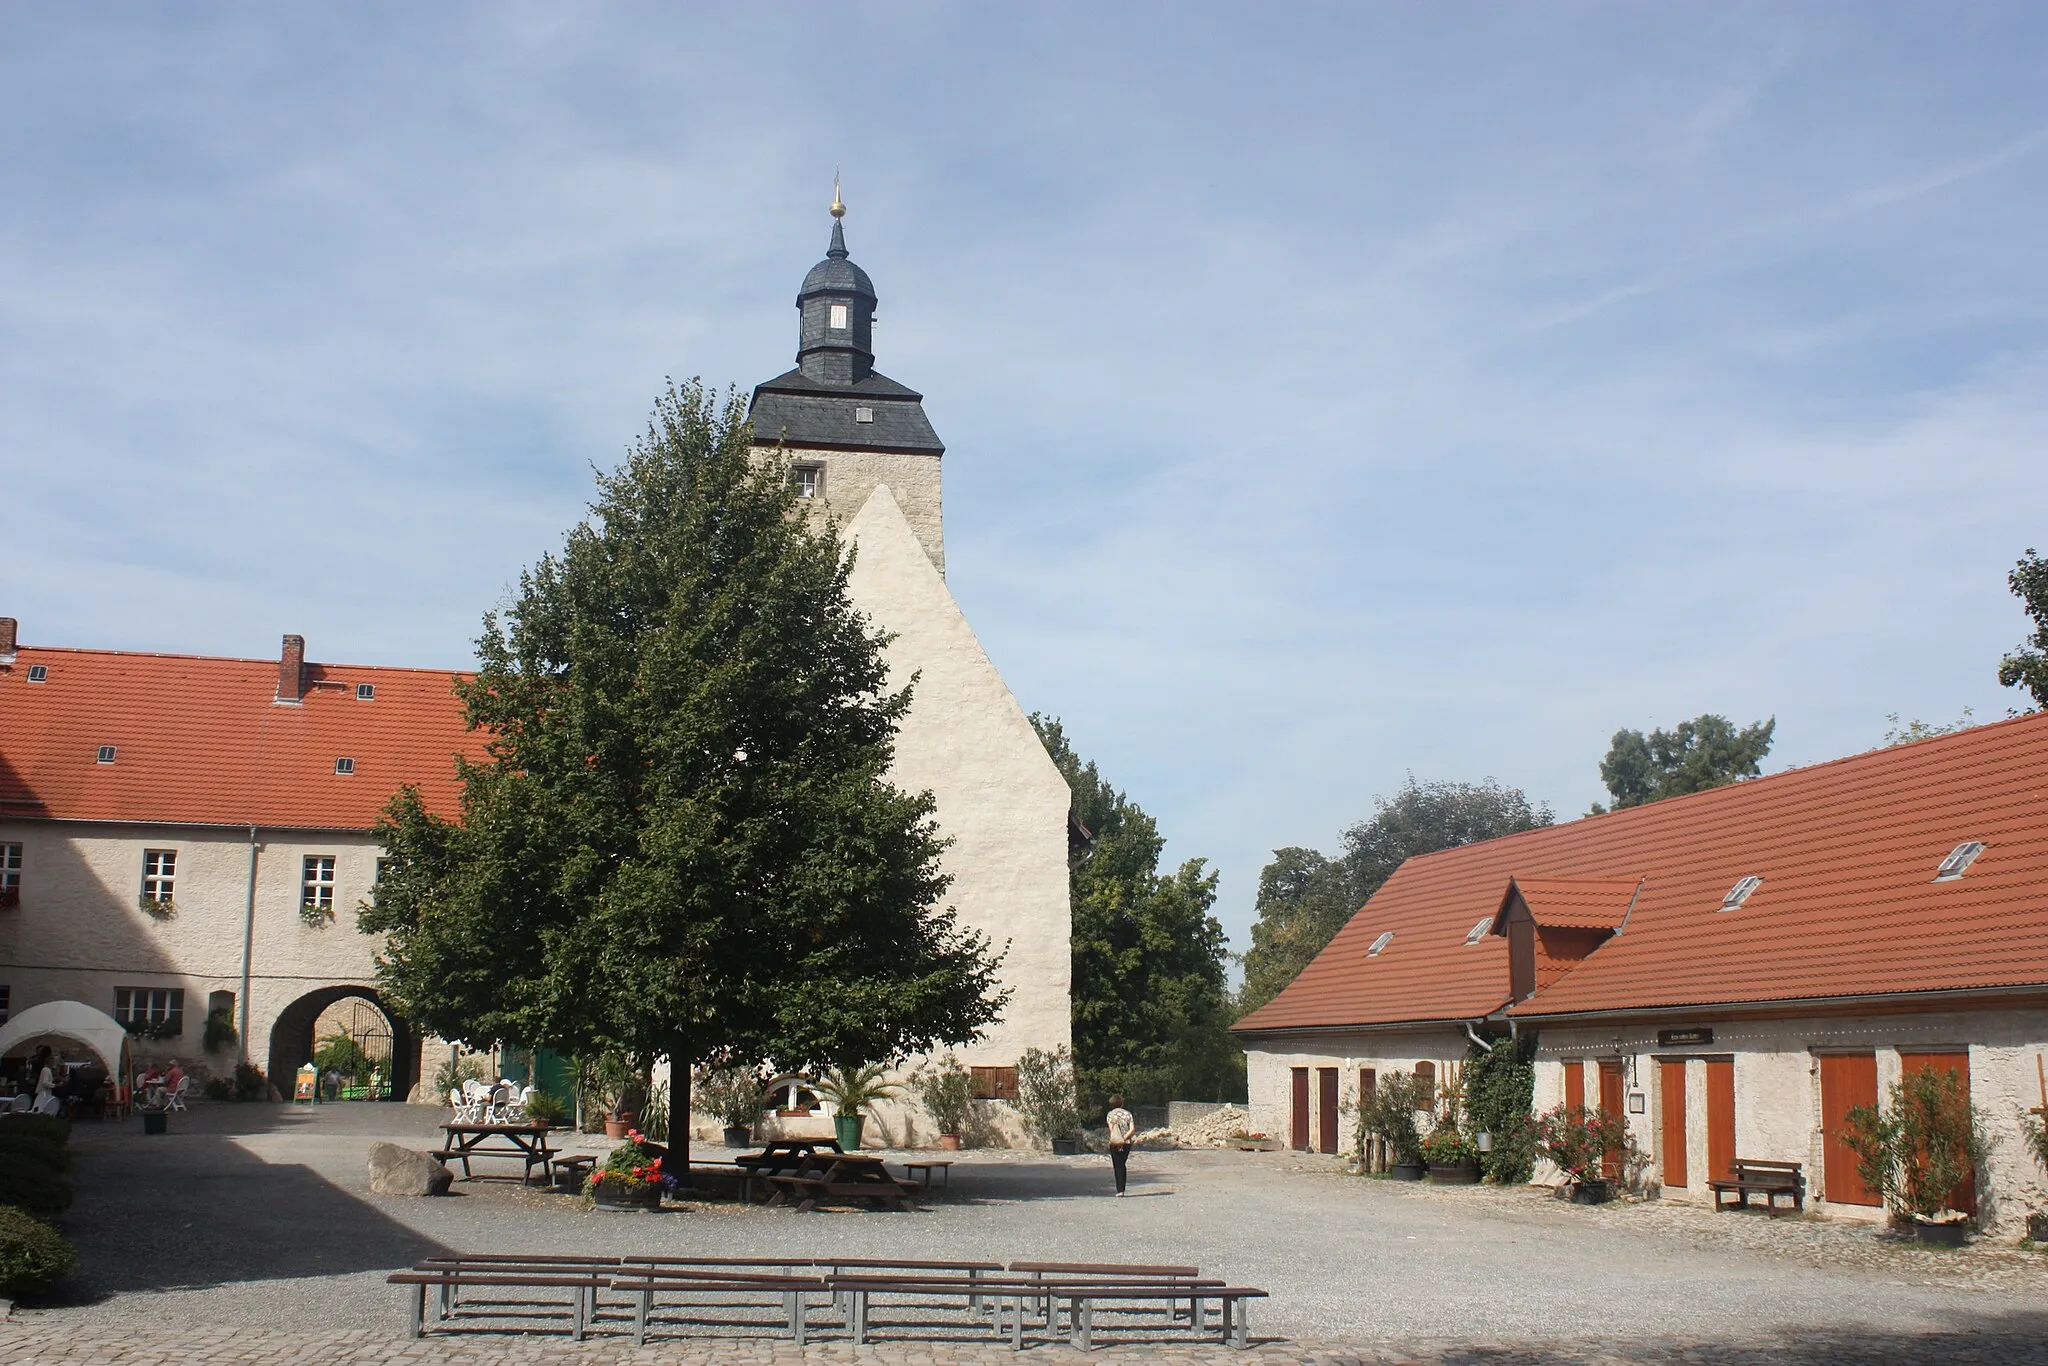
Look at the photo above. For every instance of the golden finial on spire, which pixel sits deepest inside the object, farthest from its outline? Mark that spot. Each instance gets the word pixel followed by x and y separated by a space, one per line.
pixel 838 208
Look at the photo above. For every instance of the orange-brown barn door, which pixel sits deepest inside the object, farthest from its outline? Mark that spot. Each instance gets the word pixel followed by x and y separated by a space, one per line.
pixel 1610 1101
pixel 1720 1118
pixel 1964 1196
pixel 1846 1081
pixel 1326 1120
pixel 1671 1113
pixel 1297 1129
pixel 1575 1085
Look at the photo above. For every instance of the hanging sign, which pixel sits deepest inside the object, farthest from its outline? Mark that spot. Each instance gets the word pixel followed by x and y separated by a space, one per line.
pixel 1675 1038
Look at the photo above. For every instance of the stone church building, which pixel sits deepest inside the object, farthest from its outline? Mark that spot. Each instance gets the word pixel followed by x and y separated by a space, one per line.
pixel 183 836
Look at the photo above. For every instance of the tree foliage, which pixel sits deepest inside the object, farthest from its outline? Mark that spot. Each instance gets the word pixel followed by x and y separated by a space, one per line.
pixel 1707 751
pixel 2027 666
pixel 681 840
pixel 1306 897
pixel 1151 1004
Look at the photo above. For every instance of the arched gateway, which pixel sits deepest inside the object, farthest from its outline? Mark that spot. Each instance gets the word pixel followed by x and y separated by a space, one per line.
pixel 292 1041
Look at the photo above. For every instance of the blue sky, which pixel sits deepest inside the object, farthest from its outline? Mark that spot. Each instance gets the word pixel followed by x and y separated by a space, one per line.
pixel 1332 392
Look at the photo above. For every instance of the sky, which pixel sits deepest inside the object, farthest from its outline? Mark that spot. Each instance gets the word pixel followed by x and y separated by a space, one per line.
pixel 1332 392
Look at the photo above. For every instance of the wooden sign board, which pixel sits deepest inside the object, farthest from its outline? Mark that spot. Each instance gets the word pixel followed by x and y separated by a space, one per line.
pixel 1678 1038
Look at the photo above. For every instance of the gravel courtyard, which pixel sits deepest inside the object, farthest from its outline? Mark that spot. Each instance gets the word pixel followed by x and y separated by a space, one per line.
pixel 249 1233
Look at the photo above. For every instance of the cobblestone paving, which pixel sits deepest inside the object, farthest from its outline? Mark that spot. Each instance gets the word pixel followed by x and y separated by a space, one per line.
pixel 27 1345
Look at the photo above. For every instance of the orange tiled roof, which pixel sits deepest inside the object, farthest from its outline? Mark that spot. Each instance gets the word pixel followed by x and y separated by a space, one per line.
pixel 1847 907
pixel 202 741
pixel 1578 903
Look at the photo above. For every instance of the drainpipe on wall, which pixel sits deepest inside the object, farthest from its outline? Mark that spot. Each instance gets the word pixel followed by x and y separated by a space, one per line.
pixel 248 948
pixel 1481 1044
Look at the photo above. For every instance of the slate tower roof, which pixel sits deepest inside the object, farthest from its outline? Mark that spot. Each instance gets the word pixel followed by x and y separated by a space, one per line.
pixel 835 399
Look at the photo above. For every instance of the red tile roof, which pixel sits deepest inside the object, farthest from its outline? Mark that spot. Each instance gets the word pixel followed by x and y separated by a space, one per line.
pixel 203 741
pixel 1578 903
pixel 1848 905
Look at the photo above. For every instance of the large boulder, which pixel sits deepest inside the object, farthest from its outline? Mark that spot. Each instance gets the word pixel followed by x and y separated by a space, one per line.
pixel 401 1171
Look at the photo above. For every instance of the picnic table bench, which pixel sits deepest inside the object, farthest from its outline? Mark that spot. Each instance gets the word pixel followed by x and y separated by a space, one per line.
pixel 528 1142
pixel 1749 1176
pixel 839 1176
pixel 924 1171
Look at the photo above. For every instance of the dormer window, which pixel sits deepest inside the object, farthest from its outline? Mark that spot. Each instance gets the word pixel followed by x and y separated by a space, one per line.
pixel 1739 893
pixel 1959 860
pixel 1379 945
pixel 838 318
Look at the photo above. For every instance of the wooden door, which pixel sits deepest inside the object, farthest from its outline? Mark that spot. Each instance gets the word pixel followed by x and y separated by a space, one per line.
pixel 1671 1114
pixel 1964 1196
pixel 1720 1118
pixel 1575 1085
pixel 1297 1134
pixel 1611 1102
pixel 1326 1121
pixel 1846 1080
pixel 1368 1083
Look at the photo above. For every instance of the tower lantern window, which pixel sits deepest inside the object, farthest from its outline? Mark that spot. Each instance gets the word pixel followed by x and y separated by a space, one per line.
pixel 839 317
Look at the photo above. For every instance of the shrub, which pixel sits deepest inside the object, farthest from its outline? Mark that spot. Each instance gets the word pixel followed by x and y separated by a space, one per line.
pixel 1500 1089
pixel 946 1090
pixel 1447 1147
pixel 220 1031
pixel 1576 1140
pixel 33 1256
pixel 218 1088
pixel 1390 1112
pixel 340 1053
pixel 854 1090
pixel 1045 1092
pixel 1927 1141
pixel 2036 1133
pixel 469 1067
pixel 631 1166
pixel 734 1094
pixel 34 1155
pixel 654 1114
pixel 543 1108
pixel 250 1083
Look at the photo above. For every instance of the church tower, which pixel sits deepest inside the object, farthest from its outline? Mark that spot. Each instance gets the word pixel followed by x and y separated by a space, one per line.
pixel 845 429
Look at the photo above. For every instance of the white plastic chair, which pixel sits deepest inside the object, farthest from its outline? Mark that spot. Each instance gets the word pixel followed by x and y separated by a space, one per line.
pixel 175 1100
pixel 515 1109
pixel 22 1103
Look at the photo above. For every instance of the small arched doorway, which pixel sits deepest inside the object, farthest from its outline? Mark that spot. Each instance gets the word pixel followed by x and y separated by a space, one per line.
pixel 292 1038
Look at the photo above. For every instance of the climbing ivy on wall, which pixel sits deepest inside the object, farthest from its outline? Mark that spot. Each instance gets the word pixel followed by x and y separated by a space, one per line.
pixel 1500 1089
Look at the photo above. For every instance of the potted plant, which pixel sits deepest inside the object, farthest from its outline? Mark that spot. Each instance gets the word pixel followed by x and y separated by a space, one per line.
pixel 1921 1151
pixel 614 1088
pixel 947 1092
pixel 852 1090
pixel 735 1095
pixel 1577 1141
pixel 1453 1159
pixel 1045 1096
pixel 2034 1124
pixel 631 1178
pixel 1390 1112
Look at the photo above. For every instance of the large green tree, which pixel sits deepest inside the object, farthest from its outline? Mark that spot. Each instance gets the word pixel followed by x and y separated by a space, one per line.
pixel 2027 667
pixel 1306 897
pixel 681 840
pixel 1707 751
pixel 1151 1003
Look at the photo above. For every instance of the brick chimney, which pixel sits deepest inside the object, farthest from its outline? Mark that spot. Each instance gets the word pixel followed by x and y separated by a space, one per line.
pixel 291 670
pixel 8 627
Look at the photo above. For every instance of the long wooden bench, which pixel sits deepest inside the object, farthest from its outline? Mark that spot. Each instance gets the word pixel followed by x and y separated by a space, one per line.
pixel 1749 1176
pixel 447 1279
pixel 701 1283
pixel 1015 1298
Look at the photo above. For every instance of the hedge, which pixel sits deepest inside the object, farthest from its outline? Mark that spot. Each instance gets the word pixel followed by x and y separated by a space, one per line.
pixel 33 1256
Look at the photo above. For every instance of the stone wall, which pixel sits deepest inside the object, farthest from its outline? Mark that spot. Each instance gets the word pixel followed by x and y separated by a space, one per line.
pixel 851 478
pixel 1269 1072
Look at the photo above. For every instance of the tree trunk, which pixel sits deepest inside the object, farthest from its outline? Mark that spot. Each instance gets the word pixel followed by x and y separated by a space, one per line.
pixel 679 1115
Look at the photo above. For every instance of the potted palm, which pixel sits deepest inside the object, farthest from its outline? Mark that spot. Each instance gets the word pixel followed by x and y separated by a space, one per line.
pixel 614 1088
pixel 852 1089
pixel 1577 1141
pixel 1045 1095
pixel 735 1095
pixel 1922 1151
pixel 947 1091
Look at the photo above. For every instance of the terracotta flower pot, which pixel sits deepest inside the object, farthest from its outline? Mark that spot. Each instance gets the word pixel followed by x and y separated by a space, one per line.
pixel 616 1128
pixel 949 1143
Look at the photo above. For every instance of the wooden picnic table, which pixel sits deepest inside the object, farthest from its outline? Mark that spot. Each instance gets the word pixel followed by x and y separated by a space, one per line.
pixel 528 1142
pixel 785 1154
pixel 839 1176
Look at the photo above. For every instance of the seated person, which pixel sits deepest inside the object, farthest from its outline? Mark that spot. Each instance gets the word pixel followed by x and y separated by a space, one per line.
pixel 174 1076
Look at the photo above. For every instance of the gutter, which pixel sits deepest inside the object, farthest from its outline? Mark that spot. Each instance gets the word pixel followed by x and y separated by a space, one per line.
pixel 1283 1031
pixel 1766 1007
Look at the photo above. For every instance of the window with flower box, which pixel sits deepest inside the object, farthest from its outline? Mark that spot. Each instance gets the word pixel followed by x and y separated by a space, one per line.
pixel 159 876
pixel 10 876
pixel 316 887
pixel 156 1011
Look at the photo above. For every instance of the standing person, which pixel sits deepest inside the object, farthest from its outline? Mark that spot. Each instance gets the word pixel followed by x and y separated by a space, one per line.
pixel 46 1082
pixel 1122 1129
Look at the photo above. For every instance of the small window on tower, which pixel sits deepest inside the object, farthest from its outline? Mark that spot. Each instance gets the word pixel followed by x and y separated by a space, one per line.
pixel 810 480
pixel 863 414
pixel 839 317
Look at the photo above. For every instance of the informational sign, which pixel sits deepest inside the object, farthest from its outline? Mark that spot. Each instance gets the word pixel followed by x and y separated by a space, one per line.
pixel 1678 1038
pixel 307 1085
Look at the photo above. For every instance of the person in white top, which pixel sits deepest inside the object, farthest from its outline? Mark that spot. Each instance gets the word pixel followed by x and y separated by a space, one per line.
pixel 1122 1129
pixel 46 1082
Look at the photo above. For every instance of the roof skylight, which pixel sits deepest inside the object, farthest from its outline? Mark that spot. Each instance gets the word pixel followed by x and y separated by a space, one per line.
pixel 366 692
pixel 38 672
pixel 1959 860
pixel 1479 931
pixel 106 754
pixel 344 766
pixel 1739 893
pixel 1380 944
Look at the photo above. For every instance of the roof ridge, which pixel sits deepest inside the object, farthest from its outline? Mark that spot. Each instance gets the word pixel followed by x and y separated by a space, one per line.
pixel 268 663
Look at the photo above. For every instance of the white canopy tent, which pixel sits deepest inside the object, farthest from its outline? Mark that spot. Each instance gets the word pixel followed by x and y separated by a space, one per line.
pixel 73 1020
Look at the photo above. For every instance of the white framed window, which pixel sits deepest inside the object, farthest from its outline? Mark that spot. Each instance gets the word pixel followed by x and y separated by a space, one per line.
pixel 1740 893
pixel 1379 945
pixel 316 887
pixel 38 673
pixel 10 870
pixel 159 875
pixel 838 319
pixel 159 1010
pixel 810 480
pixel 344 766
pixel 1958 861
pixel 366 692
pixel 106 754
pixel 863 414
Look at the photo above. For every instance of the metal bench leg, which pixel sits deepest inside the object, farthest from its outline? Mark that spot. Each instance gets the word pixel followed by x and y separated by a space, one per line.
pixel 1196 1317
pixel 447 1298
pixel 860 1317
pixel 419 1310
pixel 640 1318
pixel 1017 1324
pixel 973 1295
pixel 1084 1325
pixel 1243 1327
pixel 576 1327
